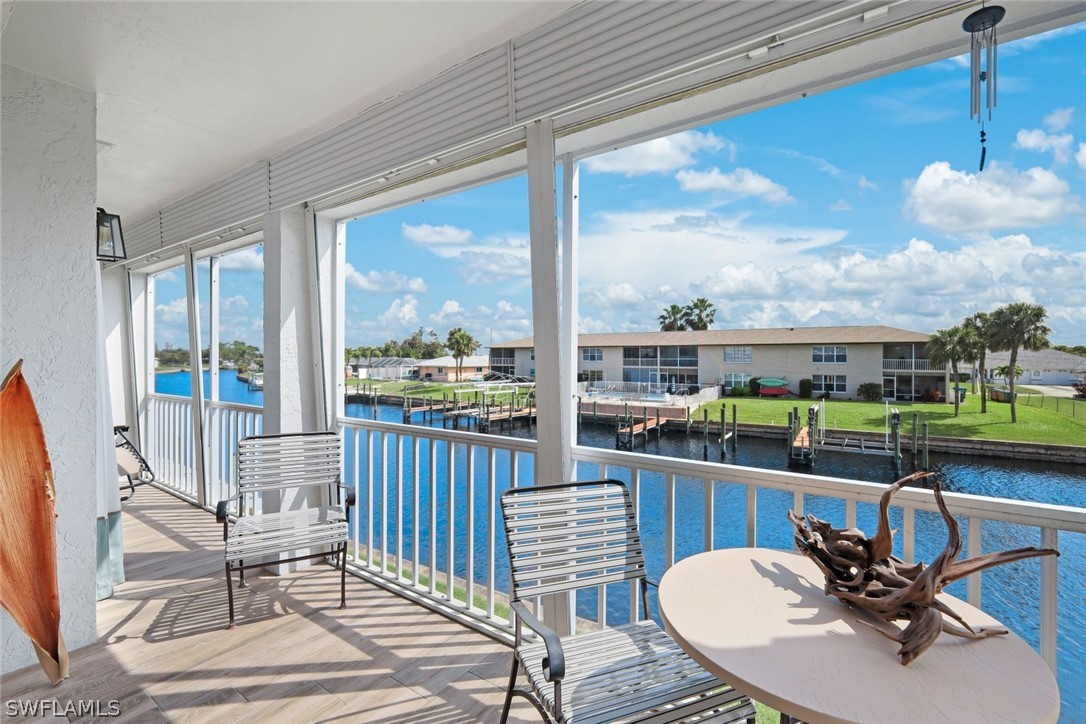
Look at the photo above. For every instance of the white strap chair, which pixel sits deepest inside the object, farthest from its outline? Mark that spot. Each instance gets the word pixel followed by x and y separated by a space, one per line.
pixel 282 463
pixel 566 537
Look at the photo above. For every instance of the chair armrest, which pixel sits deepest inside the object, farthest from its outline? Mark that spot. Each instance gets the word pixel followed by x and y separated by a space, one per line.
pixel 554 664
pixel 222 510
pixel 349 498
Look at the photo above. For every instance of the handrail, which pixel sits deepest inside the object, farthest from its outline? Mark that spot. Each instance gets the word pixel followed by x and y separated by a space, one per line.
pixel 453 436
pixel 1045 515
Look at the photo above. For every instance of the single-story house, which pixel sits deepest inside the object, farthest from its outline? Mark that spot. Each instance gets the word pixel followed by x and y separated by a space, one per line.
pixel 384 368
pixel 836 359
pixel 1046 367
pixel 444 369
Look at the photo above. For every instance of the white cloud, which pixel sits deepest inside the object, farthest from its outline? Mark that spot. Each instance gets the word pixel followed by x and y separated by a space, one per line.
pixel 866 183
pixel 741 182
pixel 251 259
pixel 1000 197
pixel 382 281
pixel 1080 156
pixel 480 267
pixel 172 312
pixel 621 294
pixel 660 155
pixel 663 249
pixel 236 303
pixel 1059 119
pixel 840 205
pixel 450 313
pixel 401 312
pixel 1037 140
pixel 427 234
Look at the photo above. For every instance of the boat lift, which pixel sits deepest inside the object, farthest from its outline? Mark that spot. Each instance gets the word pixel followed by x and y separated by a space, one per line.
pixel 805 440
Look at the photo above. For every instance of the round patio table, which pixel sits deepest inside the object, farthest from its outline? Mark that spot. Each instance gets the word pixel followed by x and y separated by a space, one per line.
pixel 758 619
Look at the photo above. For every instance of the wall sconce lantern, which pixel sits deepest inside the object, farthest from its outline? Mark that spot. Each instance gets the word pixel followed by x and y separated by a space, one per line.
pixel 110 239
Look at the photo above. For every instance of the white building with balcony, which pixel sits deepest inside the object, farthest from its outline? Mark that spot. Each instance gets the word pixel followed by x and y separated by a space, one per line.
pixel 836 359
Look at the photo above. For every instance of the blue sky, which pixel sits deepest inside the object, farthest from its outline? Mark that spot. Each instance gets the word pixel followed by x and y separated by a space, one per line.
pixel 858 206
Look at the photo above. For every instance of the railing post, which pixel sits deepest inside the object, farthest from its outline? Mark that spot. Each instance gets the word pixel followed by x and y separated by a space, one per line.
pixel 1049 609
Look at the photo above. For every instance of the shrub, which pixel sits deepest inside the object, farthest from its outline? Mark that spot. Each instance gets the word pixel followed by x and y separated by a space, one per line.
pixel 870 391
pixel 806 387
pixel 755 386
pixel 739 391
pixel 1080 389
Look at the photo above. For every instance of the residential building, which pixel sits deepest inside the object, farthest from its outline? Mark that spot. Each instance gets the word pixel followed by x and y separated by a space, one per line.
pixel 445 369
pixel 837 360
pixel 1044 367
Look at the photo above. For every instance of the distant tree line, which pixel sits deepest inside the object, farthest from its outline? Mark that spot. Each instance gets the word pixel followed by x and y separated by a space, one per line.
pixel 1012 327
pixel 244 355
pixel 1079 349
pixel 420 344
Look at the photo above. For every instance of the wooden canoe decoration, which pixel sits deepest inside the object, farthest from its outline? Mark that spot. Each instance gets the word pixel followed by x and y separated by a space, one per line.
pixel 862 571
pixel 28 556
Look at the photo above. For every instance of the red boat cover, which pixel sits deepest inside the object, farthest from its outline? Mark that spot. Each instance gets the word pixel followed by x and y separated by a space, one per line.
pixel 774 391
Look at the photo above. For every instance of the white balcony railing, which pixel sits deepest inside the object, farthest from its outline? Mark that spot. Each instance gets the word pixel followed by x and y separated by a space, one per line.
pixel 428 497
pixel 169 446
pixel 910 365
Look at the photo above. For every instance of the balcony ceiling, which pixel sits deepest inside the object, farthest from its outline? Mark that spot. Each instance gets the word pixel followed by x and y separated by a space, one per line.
pixel 189 92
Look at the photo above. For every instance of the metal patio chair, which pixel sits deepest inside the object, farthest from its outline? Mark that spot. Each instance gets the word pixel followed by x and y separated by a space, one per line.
pixel 283 463
pixel 132 468
pixel 566 537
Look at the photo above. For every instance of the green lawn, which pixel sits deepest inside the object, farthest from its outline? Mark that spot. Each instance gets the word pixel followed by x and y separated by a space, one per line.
pixel 1035 424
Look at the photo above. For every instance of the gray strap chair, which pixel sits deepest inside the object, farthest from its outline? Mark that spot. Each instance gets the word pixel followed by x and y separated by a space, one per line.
pixel 300 462
pixel 571 536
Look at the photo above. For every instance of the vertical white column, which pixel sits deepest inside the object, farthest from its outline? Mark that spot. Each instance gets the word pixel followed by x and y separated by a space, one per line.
pixel 338 316
pixel 213 330
pixel 553 456
pixel 554 462
pixel 197 372
pixel 568 342
pixel 289 399
pixel 321 241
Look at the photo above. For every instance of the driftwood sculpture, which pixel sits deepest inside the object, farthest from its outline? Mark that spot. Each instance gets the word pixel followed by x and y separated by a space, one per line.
pixel 28 556
pixel 861 571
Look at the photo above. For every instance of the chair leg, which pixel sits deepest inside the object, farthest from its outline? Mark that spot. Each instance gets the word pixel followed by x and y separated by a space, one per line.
pixel 230 595
pixel 343 577
pixel 241 575
pixel 509 692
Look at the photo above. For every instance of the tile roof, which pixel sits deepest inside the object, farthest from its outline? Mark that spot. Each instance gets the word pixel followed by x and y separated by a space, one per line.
pixel 871 334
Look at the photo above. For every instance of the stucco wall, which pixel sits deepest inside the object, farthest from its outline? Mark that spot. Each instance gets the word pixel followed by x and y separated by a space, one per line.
pixel 47 316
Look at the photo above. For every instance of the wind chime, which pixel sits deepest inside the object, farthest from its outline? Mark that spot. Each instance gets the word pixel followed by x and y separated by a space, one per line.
pixel 981 26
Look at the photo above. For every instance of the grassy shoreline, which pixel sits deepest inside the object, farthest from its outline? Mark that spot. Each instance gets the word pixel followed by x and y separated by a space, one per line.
pixel 1035 424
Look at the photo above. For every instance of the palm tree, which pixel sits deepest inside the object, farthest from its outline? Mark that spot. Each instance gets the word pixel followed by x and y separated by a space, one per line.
pixel 1018 325
pixel 979 327
pixel 1008 373
pixel 673 319
pixel 460 344
pixel 949 346
pixel 699 314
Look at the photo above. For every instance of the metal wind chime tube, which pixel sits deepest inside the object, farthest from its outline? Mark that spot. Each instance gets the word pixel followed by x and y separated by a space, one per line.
pixel 981 26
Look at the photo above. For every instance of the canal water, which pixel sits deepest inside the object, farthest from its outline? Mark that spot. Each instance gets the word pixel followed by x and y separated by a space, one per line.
pixel 1010 592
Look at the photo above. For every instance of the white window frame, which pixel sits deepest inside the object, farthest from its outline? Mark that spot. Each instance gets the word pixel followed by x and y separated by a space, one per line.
pixel 829 354
pixel 738 354
pixel 729 379
pixel 592 354
pixel 838 384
